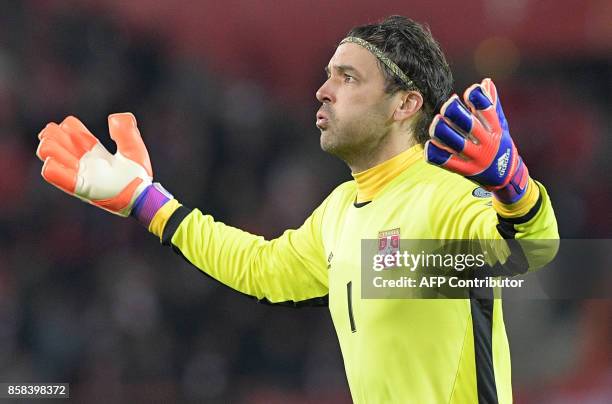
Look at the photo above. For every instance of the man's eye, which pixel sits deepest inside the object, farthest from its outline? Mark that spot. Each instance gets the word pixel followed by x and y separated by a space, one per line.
pixel 348 78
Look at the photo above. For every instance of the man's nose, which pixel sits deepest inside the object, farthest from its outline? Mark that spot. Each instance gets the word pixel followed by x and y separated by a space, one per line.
pixel 324 93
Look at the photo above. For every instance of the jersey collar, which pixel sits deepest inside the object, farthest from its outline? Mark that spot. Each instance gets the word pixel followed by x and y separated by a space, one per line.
pixel 373 180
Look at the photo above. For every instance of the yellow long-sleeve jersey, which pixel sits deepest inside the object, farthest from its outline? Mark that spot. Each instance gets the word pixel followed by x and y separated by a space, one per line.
pixel 395 350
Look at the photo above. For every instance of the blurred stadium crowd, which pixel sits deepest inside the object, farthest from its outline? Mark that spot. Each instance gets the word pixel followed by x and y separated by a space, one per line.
pixel 94 300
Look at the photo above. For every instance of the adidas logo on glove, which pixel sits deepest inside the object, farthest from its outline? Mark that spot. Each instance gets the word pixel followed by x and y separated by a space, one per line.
pixel 502 163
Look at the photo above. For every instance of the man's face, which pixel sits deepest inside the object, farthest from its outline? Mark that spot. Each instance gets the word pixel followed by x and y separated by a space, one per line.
pixel 356 114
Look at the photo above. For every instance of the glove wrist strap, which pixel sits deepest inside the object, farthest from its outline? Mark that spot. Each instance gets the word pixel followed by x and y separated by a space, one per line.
pixel 516 187
pixel 149 202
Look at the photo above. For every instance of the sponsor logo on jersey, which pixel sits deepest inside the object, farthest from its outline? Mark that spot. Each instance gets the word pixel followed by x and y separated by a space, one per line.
pixel 502 163
pixel 481 193
pixel 389 242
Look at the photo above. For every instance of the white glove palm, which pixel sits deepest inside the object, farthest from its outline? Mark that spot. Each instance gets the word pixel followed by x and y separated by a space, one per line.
pixel 77 163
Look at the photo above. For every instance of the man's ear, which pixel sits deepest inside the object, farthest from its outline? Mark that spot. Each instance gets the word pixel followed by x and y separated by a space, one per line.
pixel 410 103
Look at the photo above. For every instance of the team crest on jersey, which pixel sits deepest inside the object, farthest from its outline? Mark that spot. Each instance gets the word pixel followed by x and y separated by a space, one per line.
pixel 389 243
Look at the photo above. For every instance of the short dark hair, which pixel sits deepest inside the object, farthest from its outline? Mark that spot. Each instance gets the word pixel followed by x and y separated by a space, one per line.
pixel 412 47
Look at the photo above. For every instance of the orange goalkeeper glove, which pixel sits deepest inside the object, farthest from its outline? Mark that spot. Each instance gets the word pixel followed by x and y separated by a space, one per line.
pixel 77 163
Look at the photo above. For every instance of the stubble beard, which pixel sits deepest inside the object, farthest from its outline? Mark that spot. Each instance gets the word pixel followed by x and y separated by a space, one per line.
pixel 355 139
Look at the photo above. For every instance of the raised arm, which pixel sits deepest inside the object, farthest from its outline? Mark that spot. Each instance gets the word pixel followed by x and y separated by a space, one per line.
pixel 473 139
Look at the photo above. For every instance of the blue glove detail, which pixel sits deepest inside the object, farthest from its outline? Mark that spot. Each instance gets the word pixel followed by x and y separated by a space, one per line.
pixel 476 143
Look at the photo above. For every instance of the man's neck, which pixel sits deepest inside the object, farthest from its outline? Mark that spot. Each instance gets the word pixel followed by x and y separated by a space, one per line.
pixel 392 146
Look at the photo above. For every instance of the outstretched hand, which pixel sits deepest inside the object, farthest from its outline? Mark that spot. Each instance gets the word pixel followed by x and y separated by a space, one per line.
pixel 475 142
pixel 77 163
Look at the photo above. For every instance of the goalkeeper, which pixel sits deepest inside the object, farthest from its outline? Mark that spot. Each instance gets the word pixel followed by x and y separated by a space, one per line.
pixel 387 111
